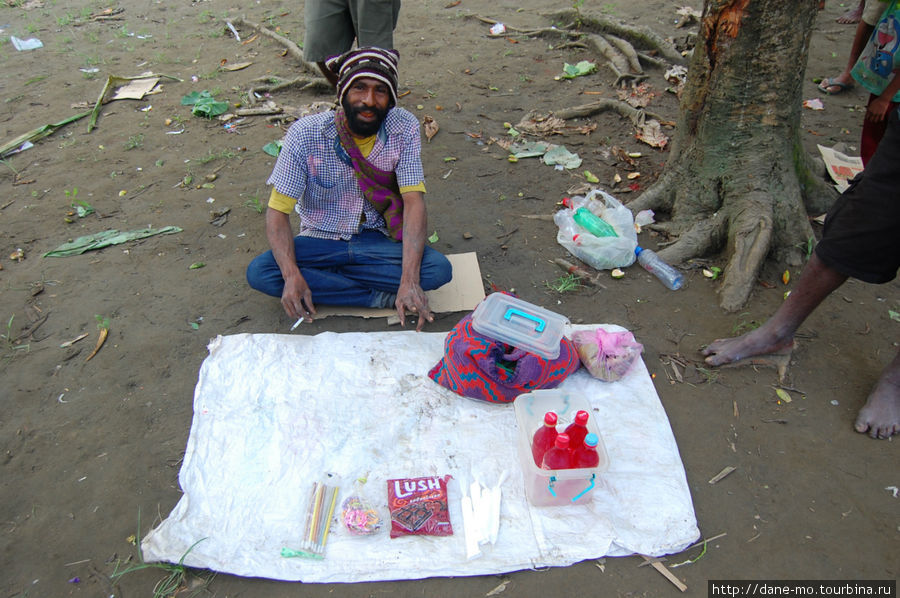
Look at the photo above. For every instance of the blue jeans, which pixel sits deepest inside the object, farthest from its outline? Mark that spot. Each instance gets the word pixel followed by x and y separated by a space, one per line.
pixel 364 271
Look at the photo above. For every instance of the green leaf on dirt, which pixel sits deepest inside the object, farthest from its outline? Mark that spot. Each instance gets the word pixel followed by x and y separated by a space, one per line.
pixel 195 325
pixel 895 316
pixel 107 238
pixel 204 104
pixel 273 148
pixel 712 273
pixel 585 67
pixel 783 395
pixel 82 208
pixel 589 177
pixel 529 149
pixel 433 238
pixel 196 265
pixel 558 154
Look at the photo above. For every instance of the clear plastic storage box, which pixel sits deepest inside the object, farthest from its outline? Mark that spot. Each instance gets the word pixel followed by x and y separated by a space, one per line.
pixel 545 487
pixel 521 324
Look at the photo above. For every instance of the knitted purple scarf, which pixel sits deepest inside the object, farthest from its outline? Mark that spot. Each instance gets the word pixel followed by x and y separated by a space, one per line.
pixel 379 187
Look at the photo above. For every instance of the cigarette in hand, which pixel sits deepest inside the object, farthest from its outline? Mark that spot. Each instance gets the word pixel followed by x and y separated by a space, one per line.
pixel 297 323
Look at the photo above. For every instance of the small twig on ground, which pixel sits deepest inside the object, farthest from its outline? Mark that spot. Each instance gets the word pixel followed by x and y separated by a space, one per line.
pixel 656 564
pixel 582 273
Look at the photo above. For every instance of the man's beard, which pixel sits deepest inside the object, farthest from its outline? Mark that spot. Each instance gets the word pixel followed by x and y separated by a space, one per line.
pixel 361 127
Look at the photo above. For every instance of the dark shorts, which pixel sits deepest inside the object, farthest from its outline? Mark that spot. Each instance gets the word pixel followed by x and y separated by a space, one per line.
pixel 862 230
pixel 332 25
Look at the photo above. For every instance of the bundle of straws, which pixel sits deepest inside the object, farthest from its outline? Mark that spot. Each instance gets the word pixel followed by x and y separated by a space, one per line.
pixel 318 521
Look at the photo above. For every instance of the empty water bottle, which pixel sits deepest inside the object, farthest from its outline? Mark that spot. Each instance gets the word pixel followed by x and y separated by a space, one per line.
pixel 654 264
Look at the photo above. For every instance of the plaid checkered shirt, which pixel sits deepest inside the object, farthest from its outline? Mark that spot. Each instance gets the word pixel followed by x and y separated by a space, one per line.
pixel 314 169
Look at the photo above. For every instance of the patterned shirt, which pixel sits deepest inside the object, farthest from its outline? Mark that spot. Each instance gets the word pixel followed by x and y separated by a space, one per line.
pixel 314 169
pixel 880 58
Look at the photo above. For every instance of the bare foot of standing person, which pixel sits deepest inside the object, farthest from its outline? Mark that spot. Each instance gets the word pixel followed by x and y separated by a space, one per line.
pixel 762 341
pixel 880 416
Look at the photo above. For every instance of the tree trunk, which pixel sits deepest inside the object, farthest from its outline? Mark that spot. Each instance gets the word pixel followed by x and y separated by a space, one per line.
pixel 738 175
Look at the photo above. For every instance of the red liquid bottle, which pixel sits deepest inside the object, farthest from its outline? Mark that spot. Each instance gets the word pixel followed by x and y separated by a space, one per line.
pixel 544 438
pixel 559 456
pixel 586 455
pixel 577 430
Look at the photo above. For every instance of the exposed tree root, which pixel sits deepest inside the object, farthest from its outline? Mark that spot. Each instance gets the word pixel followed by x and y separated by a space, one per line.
pixel 818 192
pixel 658 197
pixel 744 225
pixel 642 37
pixel 750 232
pixel 292 48
pixel 609 42
pixel 701 238
pixel 635 115
pixel 273 84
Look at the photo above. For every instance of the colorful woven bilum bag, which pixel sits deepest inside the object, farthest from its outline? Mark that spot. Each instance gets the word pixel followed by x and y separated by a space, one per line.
pixel 479 367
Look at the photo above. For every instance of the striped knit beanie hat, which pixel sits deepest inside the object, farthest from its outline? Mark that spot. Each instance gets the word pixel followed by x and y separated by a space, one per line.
pixel 375 63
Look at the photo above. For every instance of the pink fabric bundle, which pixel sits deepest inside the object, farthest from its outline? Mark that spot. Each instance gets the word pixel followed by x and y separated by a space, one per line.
pixel 607 355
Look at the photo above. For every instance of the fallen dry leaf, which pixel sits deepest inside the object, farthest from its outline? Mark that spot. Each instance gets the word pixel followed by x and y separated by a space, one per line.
pixel 536 124
pixel 104 332
pixel 431 127
pixel 650 132
pixel 236 66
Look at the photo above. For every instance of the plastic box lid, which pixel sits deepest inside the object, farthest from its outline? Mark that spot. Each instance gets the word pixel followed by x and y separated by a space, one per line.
pixel 521 324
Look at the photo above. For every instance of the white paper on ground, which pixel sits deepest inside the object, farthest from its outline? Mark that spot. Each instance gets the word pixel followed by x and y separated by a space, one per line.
pixel 272 413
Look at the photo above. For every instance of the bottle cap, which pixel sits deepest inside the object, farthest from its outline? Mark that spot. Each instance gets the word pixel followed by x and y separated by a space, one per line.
pixel 581 418
pixel 591 440
pixel 562 441
pixel 638 250
pixel 550 418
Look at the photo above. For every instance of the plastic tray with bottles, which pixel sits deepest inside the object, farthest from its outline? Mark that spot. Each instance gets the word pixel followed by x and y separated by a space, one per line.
pixel 545 487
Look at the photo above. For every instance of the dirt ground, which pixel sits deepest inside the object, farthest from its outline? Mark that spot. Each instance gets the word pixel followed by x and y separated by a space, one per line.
pixel 88 447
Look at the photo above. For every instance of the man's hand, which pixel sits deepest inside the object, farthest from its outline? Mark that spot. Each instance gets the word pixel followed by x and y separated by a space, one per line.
pixel 296 298
pixel 411 297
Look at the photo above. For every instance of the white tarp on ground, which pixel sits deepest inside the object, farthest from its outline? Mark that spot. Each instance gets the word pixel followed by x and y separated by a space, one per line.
pixel 272 413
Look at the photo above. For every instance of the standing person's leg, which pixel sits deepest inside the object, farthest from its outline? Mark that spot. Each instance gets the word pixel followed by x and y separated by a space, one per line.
pixel 375 21
pixel 873 132
pixel 817 281
pixel 860 240
pixel 844 81
pixel 329 31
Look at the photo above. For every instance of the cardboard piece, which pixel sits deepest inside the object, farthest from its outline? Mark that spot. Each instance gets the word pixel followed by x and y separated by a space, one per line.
pixel 136 89
pixel 464 291
pixel 841 167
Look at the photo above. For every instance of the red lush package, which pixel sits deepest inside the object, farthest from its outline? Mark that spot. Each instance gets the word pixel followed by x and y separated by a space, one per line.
pixel 419 507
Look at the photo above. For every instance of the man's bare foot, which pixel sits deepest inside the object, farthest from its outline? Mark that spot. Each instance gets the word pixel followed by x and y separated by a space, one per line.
pixel 851 16
pixel 880 416
pixel 757 342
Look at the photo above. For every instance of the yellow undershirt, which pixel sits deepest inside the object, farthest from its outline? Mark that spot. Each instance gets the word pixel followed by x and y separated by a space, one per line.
pixel 283 203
